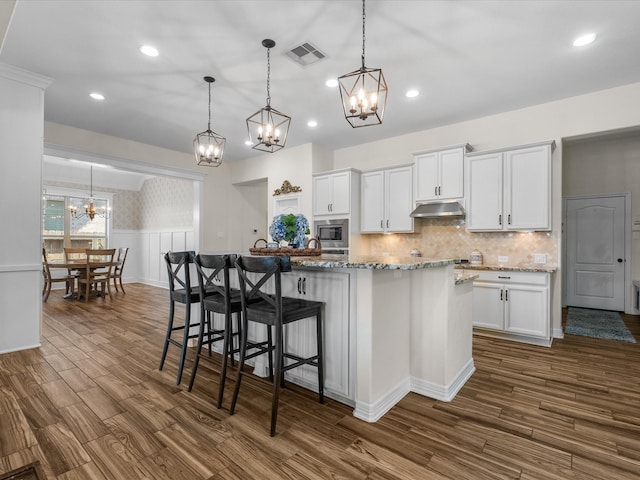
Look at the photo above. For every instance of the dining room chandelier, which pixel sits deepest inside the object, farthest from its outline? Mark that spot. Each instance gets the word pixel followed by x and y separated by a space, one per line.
pixel 208 145
pixel 90 210
pixel 363 92
pixel 268 128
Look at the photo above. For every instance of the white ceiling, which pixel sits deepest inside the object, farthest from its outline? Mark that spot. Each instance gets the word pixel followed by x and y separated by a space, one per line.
pixel 468 59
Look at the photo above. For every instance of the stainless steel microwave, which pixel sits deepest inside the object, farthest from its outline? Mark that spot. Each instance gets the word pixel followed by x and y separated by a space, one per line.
pixel 332 233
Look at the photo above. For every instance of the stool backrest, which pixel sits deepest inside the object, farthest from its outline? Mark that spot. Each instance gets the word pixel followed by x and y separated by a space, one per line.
pixel 254 287
pixel 178 269
pixel 210 268
pixel 122 257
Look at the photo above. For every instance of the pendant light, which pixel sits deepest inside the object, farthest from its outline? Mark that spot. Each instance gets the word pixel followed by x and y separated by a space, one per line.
pixel 90 210
pixel 363 92
pixel 208 145
pixel 268 128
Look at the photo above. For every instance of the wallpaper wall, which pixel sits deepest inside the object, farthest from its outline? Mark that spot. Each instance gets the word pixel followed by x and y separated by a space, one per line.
pixel 166 203
pixel 439 237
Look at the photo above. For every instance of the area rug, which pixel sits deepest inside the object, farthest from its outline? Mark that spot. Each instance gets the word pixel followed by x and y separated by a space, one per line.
pixel 33 471
pixel 597 324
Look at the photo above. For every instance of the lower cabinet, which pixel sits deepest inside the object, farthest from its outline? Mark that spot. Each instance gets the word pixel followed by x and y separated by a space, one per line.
pixel 332 288
pixel 514 303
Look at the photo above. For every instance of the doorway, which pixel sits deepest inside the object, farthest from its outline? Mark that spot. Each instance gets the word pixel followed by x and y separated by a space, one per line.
pixel 596 246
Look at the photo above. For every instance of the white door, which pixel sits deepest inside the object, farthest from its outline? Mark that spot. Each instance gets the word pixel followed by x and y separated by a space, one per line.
pixel 399 199
pixel 595 252
pixel 372 207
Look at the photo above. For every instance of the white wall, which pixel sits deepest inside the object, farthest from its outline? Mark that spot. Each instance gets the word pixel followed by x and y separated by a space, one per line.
pixel 21 118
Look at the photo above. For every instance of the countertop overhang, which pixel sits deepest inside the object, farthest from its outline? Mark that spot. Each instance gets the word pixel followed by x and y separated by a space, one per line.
pixel 533 267
pixel 370 262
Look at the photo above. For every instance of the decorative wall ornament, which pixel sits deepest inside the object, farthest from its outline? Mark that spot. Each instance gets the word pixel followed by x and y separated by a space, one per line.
pixel 286 188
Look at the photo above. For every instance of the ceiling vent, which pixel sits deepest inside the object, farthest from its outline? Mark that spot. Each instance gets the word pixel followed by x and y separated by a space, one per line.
pixel 305 54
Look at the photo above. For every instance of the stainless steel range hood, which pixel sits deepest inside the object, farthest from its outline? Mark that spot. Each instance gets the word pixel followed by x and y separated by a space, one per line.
pixel 438 209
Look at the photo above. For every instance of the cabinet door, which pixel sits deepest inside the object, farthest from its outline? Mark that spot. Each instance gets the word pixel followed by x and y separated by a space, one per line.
pixel 485 192
pixel 528 188
pixel 488 307
pixel 427 176
pixel 527 310
pixel 372 204
pixel 399 199
pixel 322 187
pixel 341 193
pixel 332 288
pixel 451 174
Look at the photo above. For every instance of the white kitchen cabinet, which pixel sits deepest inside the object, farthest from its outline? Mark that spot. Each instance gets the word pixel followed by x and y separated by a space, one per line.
pixel 387 200
pixel 332 288
pixel 439 175
pixel 514 303
pixel 332 193
pixel 510 189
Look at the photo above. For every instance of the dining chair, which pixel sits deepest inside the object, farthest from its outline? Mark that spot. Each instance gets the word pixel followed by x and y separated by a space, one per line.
pixel 180 291
pixel 257 275
pixel 116 273
pixel 218 297
pixel 96 271
pixel 49 280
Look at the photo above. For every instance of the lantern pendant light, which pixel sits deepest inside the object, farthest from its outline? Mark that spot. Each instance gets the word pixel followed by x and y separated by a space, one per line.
pixel 363 92
pixel 208 145
pixel 268 128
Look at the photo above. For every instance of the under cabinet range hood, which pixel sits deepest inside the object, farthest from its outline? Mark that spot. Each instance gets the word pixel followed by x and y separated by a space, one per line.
pixel 438 209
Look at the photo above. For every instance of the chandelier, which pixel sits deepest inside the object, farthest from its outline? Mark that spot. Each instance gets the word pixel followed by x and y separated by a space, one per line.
pixel 363 92
pixel 90 209
pixel 208 145
pixel 268 128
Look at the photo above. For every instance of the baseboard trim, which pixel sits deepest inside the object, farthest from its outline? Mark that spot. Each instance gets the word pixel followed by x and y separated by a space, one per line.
pixel 445 393
pixel 372 412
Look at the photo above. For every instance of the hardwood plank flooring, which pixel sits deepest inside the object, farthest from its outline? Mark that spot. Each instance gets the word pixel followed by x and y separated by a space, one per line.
pixel 90 404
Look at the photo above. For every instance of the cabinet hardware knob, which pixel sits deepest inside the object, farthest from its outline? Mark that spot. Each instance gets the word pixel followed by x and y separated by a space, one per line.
pixel 501 293
pixel 381 224
pixel 506 295
pixel 387 223
pixel 439 190
pixel 500 219
pixel 619 260
pixel 435 190
pixel 506 278
pixel 299 283
pixel 509 219
pixel 304 286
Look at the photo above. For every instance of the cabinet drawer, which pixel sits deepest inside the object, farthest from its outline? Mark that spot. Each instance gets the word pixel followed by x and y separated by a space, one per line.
pixel 529 278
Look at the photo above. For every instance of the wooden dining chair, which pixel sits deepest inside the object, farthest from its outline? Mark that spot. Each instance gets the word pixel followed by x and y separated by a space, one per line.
pixel 96 271
pixel 116 273
pixel 259 277
pixel 69 279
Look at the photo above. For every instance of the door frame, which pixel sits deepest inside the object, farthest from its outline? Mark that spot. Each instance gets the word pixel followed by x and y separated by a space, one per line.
pixel 628 297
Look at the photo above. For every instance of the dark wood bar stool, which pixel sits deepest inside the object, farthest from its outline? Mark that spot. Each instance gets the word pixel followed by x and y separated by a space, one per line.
pixel 219 297
pixel 180 291
pixel 274 310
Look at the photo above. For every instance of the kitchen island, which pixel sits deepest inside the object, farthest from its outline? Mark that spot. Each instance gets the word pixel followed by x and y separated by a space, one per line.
pixel 393 325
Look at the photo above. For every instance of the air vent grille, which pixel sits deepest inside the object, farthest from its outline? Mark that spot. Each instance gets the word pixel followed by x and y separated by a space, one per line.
pixel 305 54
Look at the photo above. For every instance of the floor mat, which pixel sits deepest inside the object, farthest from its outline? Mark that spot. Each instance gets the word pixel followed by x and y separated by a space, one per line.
pixel 597 324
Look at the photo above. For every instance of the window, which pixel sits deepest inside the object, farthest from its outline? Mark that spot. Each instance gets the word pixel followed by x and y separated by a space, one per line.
pixel 62 229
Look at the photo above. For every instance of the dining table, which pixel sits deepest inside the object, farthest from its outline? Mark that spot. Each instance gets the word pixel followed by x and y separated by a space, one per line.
pixel 80 264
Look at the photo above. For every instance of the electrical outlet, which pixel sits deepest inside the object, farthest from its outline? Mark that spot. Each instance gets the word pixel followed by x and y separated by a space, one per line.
pixel 539 258
pixel 503 259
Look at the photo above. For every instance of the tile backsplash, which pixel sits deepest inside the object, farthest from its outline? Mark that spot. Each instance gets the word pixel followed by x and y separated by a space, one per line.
pixel 448 237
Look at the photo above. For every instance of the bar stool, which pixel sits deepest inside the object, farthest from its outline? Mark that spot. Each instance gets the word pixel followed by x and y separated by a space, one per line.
pixel 181 291
pixel 219 297
pixel 274 310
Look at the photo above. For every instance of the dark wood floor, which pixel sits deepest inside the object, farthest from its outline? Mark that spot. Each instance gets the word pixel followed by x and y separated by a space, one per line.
pixel 91 404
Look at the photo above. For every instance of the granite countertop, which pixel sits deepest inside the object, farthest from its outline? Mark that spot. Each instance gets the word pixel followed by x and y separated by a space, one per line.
pixel 464 277
pixel 370 262
pixel 530 267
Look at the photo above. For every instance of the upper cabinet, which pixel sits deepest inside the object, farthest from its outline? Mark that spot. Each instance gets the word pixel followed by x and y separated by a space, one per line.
pixel 334 192
pixel 439 174
pixel 387 200
pixel 510 189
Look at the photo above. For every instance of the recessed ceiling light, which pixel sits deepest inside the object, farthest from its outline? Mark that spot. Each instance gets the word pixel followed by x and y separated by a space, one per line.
pixel 149 51
pixel 331 83
pixel 96 96
pixel 583 40
pixel 312 123
pixel 412 93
